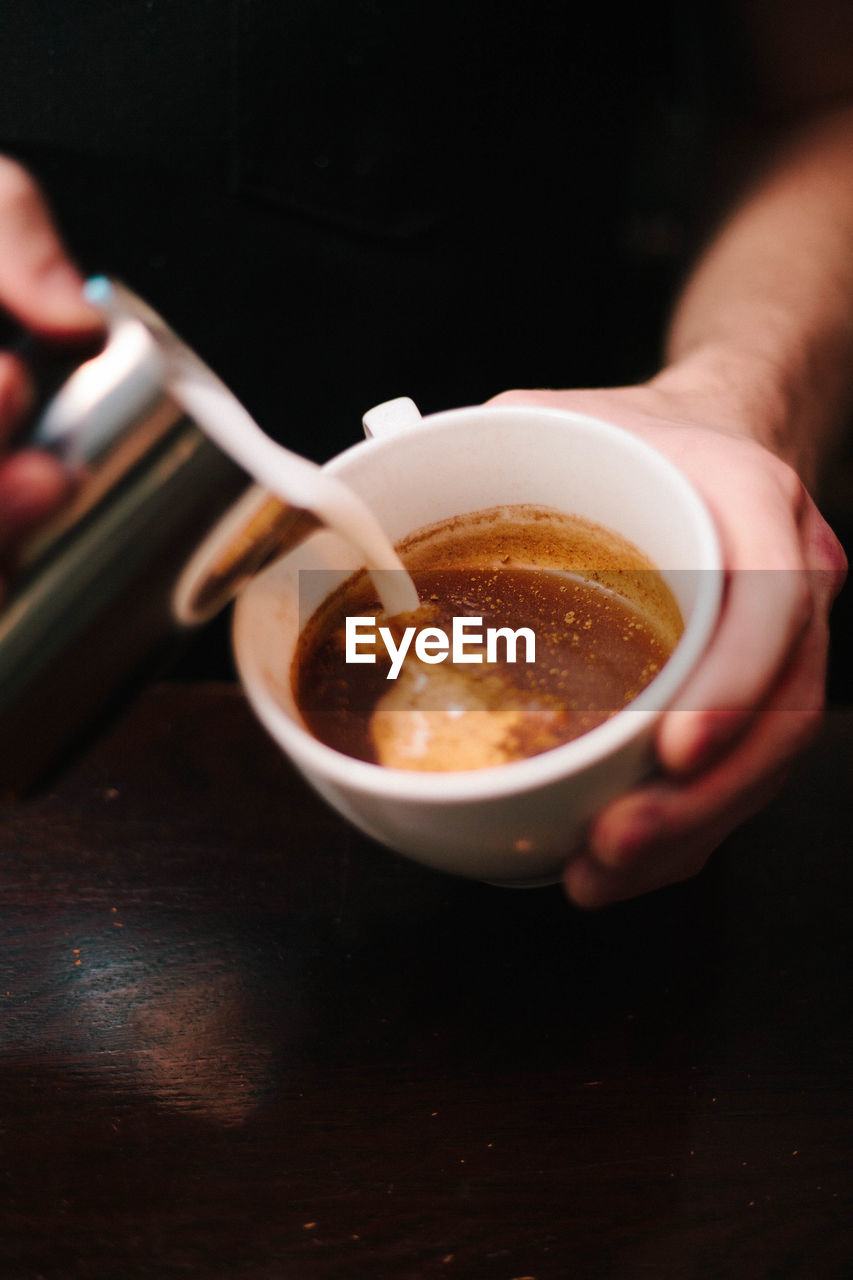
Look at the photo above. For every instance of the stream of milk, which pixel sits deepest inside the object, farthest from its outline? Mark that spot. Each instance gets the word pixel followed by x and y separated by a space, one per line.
pixel 290 477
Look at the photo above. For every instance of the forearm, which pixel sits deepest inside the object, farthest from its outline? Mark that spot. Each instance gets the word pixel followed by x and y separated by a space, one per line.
pixel 765 322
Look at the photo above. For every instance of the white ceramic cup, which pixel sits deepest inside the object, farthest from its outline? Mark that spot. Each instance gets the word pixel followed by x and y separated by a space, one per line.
pixel 514 823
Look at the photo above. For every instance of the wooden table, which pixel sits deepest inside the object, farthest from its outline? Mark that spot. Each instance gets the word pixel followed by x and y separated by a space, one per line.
pixel 239 1040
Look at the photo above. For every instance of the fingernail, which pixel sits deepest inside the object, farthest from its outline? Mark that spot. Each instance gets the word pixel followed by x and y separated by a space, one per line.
pixel 62 288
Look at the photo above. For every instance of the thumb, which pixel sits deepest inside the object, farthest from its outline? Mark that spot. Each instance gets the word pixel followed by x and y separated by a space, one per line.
pixel 39 284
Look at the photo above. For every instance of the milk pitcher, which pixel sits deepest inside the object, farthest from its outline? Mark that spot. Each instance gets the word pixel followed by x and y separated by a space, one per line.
pixel 88 605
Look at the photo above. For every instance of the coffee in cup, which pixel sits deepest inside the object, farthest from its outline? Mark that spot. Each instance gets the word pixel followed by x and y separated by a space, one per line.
pixel 516 823
pixel 534 628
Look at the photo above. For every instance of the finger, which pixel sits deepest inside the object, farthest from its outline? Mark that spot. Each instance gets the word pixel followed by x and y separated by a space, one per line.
pixel 39 285
pixel 32 486
pixel 16 392
pixel 592 884
pixel 785 564
pixel 666 831
pixel 764 614
pixel 631 825
pixel 823 554
pixel 534 396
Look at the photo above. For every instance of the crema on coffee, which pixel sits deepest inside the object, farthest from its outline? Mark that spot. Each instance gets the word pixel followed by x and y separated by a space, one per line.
pixel 562 623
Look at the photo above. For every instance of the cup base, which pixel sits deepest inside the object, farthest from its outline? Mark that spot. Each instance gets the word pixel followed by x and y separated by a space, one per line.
pixel 536 882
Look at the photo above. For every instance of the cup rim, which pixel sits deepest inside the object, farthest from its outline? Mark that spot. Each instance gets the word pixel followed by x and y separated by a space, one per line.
pixel 532 772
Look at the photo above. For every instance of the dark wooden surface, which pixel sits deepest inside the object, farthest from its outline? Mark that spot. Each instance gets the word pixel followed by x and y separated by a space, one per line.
pixel 239 1040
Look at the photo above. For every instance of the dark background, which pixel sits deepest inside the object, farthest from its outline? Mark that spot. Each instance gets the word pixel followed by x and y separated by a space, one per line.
pixel 237 1038
pixel 336 204
pixel 339 203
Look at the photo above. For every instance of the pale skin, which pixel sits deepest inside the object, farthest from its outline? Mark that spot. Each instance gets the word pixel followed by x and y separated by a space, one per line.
pixel 41 288
pixel 756 386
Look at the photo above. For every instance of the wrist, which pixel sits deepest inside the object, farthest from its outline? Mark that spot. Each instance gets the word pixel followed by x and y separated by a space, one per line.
pixel 784 403
pixel 744 389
